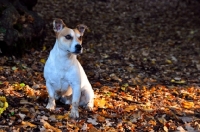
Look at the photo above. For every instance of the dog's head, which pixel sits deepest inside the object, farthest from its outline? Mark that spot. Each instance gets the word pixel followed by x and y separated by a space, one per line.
pixel 69 39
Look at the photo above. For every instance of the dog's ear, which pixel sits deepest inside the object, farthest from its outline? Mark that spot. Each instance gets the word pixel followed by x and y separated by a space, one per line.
pixel 81 28
pixel 58 25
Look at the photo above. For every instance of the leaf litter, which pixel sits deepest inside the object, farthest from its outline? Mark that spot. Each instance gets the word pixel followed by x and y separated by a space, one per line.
pixel 145 78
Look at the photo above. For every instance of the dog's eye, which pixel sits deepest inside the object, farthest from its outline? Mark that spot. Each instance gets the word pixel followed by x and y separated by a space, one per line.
pixel 68 37
pixel 80 38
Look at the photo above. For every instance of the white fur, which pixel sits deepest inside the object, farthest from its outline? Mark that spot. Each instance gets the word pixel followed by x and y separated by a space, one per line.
pixel 64 75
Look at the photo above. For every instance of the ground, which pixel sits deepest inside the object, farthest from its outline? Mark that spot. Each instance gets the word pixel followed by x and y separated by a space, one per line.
pixel 141 57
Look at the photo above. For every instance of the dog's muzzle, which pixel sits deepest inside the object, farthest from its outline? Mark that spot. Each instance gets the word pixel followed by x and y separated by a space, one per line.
pixel 78 48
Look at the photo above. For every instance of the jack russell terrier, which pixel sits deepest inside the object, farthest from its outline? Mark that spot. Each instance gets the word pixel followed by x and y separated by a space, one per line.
pixel 64 75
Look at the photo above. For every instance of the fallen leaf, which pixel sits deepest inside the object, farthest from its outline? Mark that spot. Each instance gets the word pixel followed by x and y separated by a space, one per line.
pixel 165 129
pixel 130 108
pixel 180 128
pixel 108 123
pixel 92 121
pixel 3 104
pixel 84 127
pixel 48 126
pixel 100 103
pixel 25 102
pixel 22 116
pixel 28 124
pixel 187 105
pixel 189 128
pixel 42 61
pixel 61 117
pixel 100 119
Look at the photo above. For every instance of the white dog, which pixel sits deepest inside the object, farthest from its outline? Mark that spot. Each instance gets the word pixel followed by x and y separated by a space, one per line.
pixel 64 75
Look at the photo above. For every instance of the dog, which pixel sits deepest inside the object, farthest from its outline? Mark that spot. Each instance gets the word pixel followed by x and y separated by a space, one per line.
pixel 65 78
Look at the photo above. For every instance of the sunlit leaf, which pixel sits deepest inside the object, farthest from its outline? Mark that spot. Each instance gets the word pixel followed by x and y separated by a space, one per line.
pixel 100 103
pixel 61 117
pixel 28 124
pixel 180 128
pixel 123 88
pixel 130 108
pixel 165 129
pixel 48 126
pixel 3 104
pixel 22 84
pixel 187 104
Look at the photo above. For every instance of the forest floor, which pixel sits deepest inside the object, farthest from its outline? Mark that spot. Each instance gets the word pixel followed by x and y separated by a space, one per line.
pixel 141 57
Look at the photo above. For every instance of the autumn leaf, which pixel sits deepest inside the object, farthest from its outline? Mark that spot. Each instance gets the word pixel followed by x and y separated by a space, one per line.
pixel 42 61
pixel 22 116
pixel 187 105
pixel 92 121
pixel 49 127
pixel 100 119
pixel 61 117
pixel 3 104
pixel 100 103
pixel 28 124
pixel 130 108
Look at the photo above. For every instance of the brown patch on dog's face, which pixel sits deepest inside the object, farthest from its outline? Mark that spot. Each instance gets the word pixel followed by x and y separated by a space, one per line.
pixel 78 35
pixel 69 39
pixel 70 35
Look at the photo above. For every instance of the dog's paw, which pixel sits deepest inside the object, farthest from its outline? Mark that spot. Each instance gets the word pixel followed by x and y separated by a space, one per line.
pixel 89 106
pixel 50 106
pixel 74 113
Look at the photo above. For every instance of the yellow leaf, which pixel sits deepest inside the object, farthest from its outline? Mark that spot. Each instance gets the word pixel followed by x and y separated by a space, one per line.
pixel 187 105
pixel 61 117
pixel 100 103
pixel 44 48
pixel 3 104
pixel 128 97
pixel 130 107
pixel 42 60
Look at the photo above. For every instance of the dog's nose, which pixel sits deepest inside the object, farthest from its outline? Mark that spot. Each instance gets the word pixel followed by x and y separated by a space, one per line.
pixel 78 47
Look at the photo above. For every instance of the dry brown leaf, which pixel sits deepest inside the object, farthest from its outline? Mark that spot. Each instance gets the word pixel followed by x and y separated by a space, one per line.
pixel 100 119
pixel 25 102
pixel 91 128
pixel 28 124
pixel 48 126
pixel 24 110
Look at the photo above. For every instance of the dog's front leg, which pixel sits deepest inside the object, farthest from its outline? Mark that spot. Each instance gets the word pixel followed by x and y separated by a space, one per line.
pixel 75 101
pixel 51 103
